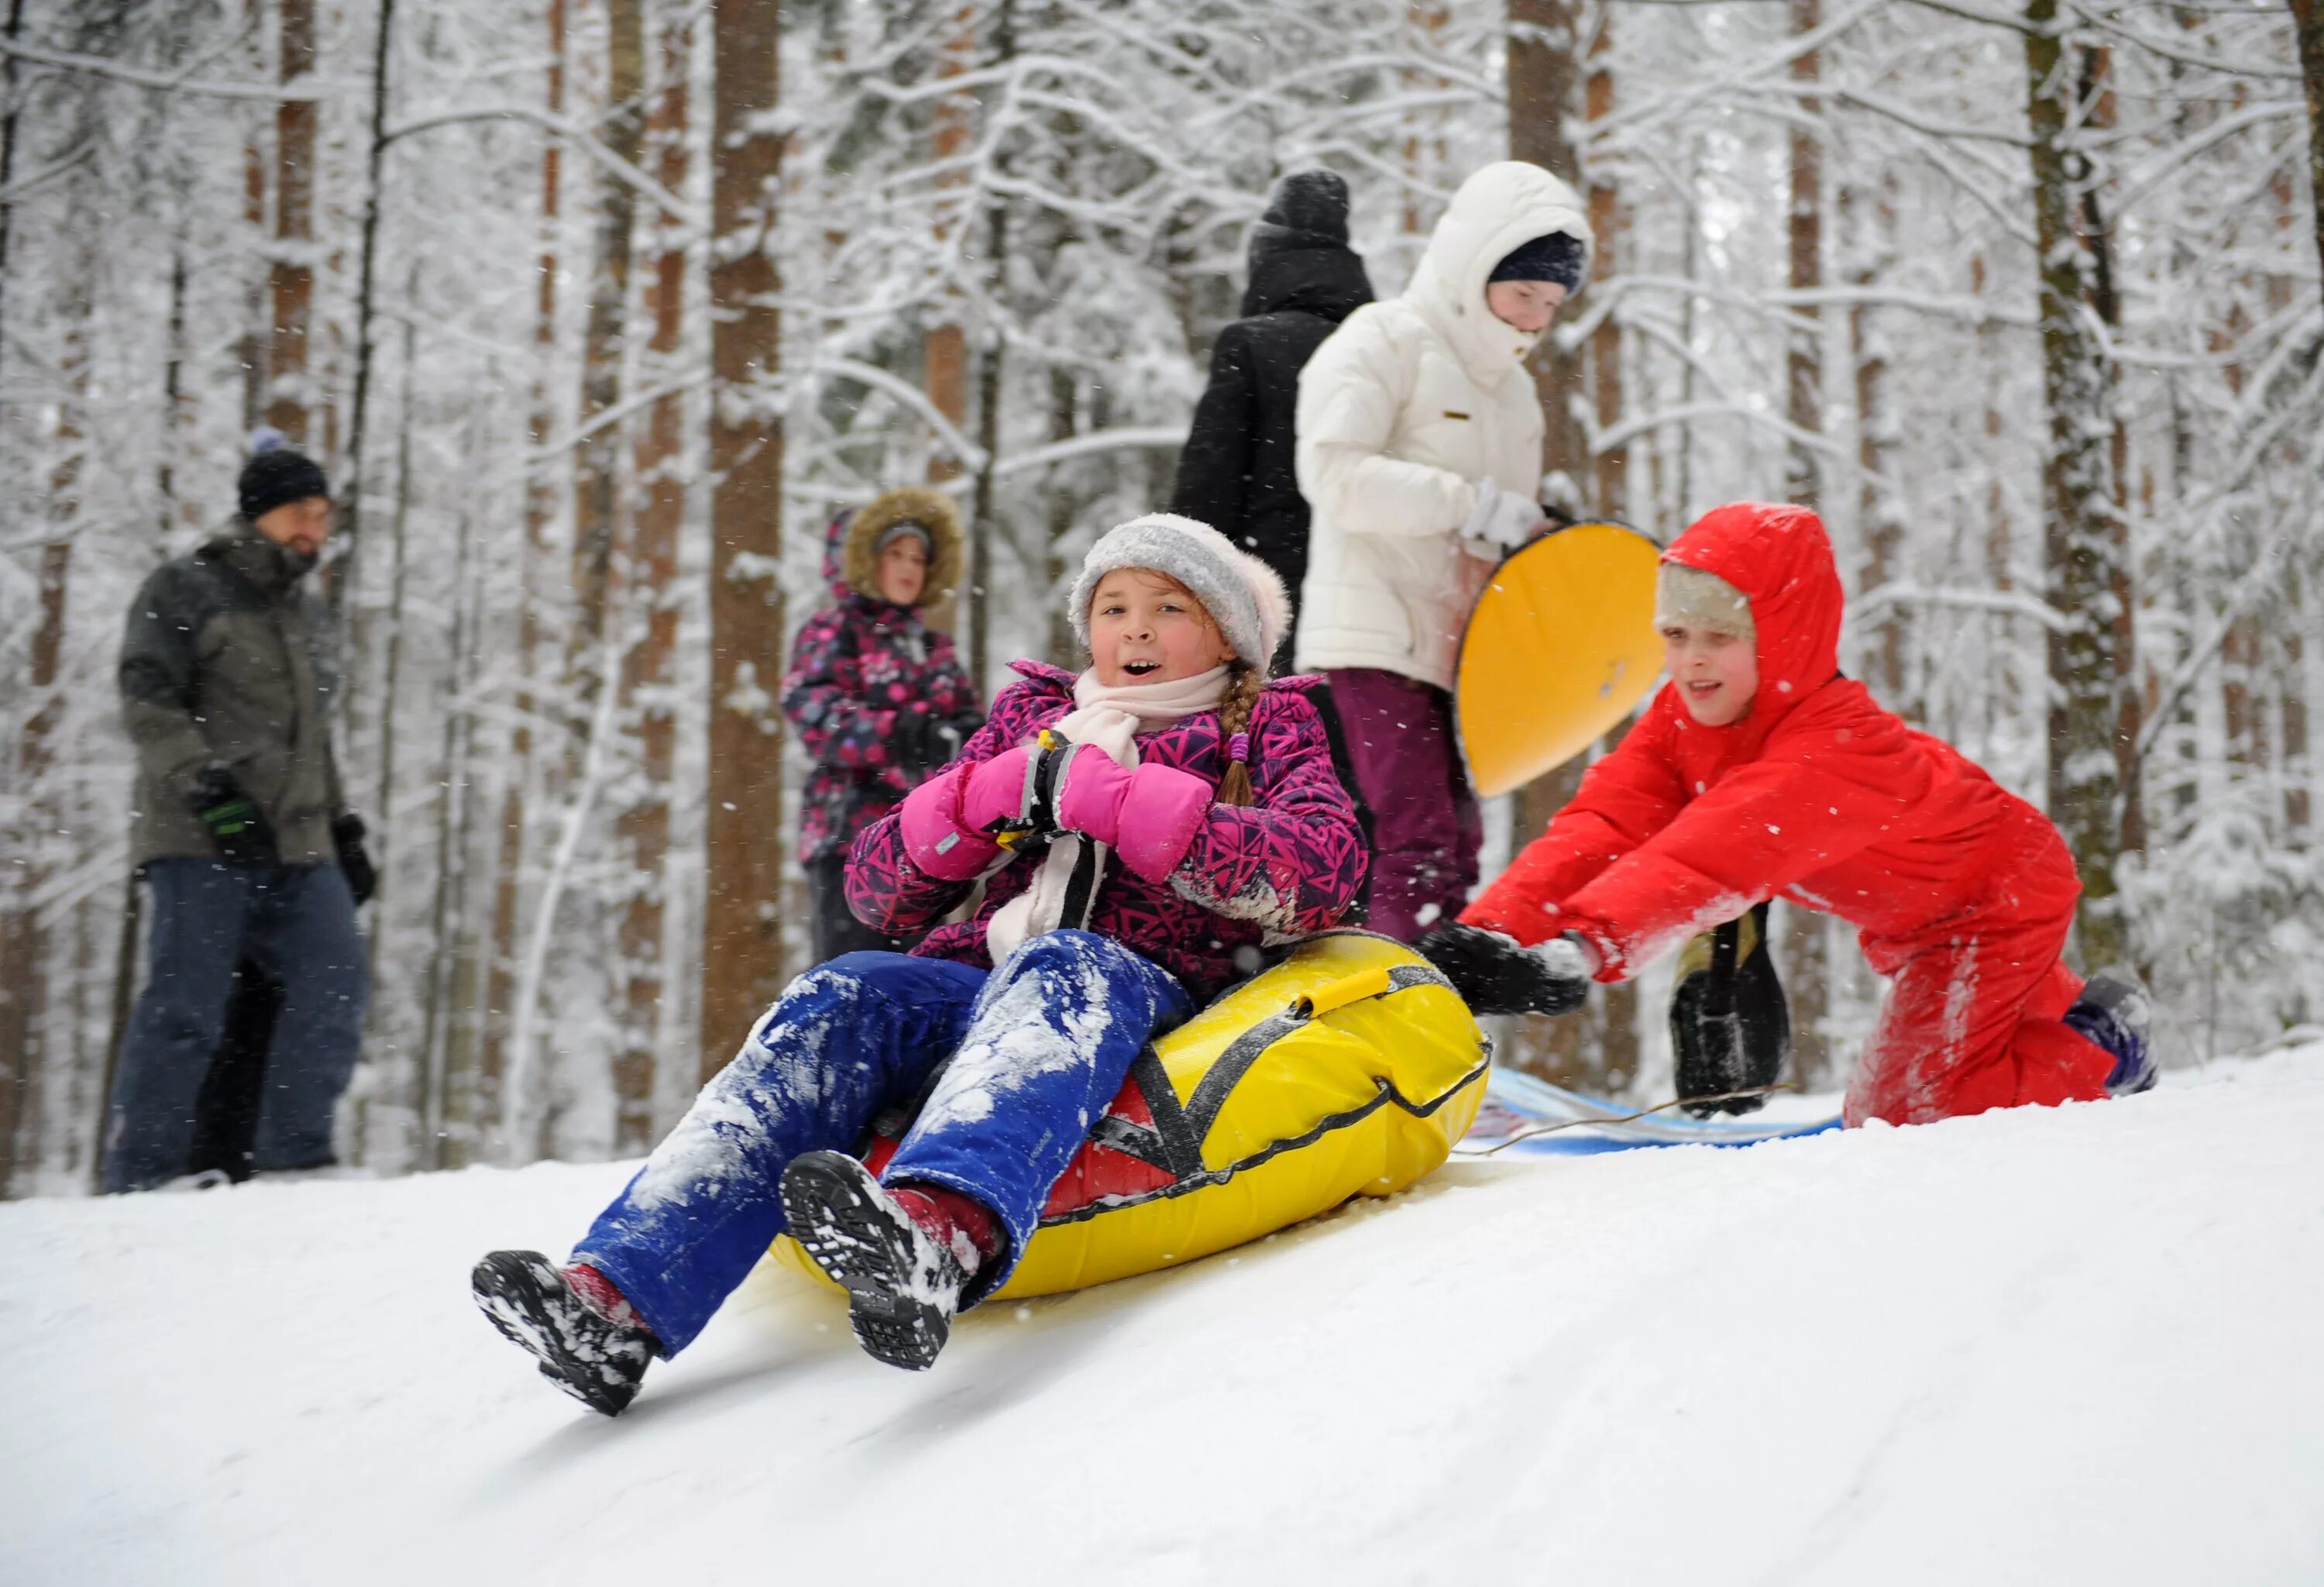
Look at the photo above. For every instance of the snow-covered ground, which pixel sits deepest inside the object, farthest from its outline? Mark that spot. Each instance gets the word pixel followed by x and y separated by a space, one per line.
pixel 2061 1346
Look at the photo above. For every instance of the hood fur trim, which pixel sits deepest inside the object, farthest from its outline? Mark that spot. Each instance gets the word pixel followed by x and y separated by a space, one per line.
pixel 860 560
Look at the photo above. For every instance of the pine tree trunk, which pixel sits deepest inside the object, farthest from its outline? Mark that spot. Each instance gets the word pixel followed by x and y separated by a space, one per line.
pixel 1612 1019
pixel 2308 22
pixel 25 1058
pixel 9 115
pixel 1544 81
pixel 596 483
pixel 2081 545
pixel 477 1097
pixel 1803 956
pixel 943 349
pixel 652 572
pixel 742 965
pixel 290 278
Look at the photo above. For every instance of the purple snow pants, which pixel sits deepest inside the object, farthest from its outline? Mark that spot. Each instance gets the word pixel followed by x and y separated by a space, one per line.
pixel 1396 735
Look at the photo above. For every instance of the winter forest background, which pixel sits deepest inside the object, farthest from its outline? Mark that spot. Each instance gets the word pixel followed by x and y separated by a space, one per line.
pixel 597 309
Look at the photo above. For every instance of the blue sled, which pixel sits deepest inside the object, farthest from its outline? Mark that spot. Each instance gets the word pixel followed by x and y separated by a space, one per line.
pixel 1518 1103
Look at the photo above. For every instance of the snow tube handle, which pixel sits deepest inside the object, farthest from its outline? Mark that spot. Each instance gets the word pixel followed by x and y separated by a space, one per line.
pixel 1348 989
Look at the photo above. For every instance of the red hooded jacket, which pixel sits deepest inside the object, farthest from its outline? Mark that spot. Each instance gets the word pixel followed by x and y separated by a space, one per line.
pixel 1817 794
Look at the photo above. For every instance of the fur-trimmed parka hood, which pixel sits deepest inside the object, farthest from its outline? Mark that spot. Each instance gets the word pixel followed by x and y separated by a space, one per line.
pixel 858 558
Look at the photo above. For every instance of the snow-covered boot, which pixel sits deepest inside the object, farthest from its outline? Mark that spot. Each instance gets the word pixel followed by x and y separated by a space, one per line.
pixel 2114 1012
pixel 902 1284
pixel 588 1339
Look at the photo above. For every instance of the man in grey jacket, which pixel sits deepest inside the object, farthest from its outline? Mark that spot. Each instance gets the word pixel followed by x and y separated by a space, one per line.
pixel 241 832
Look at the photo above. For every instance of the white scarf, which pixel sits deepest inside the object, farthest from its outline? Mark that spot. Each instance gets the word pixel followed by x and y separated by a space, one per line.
pixel 1109 719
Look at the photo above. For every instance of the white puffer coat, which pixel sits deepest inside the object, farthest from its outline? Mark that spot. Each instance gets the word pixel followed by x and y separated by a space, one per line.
pixel 1401 410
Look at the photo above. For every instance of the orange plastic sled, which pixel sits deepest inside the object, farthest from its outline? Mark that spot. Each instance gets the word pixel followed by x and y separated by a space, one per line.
pixel 1561 648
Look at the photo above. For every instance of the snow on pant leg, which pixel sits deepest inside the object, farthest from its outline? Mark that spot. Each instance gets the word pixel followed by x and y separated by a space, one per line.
pixel 302 932
pixel 1972 1024
pixel 1425 827
pixel 836 930
pixel 1052 1039
pixel 846 1041
pixel 201 907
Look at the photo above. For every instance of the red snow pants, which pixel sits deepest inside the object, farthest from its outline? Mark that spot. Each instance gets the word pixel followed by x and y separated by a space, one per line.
pixel 1972 1020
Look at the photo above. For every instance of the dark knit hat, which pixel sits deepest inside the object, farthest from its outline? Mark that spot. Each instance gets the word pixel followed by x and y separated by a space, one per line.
pixel 1556 257
pixel 277 473
pixel 1314 202
pixel 901 529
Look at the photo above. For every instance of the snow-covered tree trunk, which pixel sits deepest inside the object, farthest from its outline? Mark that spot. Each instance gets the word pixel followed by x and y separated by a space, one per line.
pixel 2308 23
pixel 2081 539
pixel 650 601
pixel 1804 952
pixel 291 282
pixel 742 955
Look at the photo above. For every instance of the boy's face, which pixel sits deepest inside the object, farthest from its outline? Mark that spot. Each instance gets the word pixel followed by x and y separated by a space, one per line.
pixel 904 571
pixel 1145 627
pixel 1528 305
pixel 1716 672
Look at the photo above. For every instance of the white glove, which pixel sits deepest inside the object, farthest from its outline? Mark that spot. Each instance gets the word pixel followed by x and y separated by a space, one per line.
pixel 1502 518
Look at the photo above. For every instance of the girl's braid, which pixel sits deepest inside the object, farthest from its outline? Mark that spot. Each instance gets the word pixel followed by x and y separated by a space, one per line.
pixel 1244 683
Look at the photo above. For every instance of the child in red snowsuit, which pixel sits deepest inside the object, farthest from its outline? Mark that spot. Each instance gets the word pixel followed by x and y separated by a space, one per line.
pixel 1735 787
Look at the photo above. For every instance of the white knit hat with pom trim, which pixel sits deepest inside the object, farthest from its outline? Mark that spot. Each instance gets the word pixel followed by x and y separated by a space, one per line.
pixel 1243 594
pixel 1689 598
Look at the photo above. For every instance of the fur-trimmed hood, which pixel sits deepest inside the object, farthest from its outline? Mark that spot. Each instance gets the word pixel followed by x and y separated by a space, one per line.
pixel 859 559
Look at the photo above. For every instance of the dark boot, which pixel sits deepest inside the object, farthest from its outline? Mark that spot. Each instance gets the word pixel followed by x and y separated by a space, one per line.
pixel 2114 1012
pixel 591 1346
pixel 1730 1023
pixel 902 1286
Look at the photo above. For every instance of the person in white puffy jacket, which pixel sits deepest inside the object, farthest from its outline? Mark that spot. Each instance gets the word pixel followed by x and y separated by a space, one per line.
pixel 1419 451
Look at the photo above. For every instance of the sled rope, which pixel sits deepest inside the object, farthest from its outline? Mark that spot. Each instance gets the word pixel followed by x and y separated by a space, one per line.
pixel 1677 1102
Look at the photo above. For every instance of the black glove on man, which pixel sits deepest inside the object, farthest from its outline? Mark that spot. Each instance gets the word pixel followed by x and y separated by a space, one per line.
pixel 355 864
pixel 1494 975
pixel 233 820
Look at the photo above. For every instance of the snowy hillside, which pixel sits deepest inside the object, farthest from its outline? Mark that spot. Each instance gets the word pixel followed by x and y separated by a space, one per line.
pixel 2048 1346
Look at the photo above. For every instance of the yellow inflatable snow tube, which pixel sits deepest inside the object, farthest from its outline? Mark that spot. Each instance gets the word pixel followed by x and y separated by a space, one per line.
pixel 1348 1069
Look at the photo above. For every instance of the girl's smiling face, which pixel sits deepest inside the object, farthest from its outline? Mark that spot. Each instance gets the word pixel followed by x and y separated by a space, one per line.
pixel 1717 672
pixel 1145 627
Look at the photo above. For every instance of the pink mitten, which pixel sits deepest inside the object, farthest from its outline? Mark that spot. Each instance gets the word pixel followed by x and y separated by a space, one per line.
pixel 935 838
pixel 1148 814
pixel 995 794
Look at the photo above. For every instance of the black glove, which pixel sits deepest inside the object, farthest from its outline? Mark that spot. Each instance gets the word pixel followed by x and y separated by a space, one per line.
pixel 346 837
pixel 1494 975
pixel 925 744
pixel 1731 1025
pixel 233 820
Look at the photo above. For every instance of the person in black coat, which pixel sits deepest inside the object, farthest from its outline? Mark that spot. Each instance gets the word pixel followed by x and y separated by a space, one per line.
pixel 1236 473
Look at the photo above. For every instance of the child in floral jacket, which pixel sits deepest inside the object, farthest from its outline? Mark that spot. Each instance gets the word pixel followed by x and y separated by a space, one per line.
pixel 878 697
pixel 1142 829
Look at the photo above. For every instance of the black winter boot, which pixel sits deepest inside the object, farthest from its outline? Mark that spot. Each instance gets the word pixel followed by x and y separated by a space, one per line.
pixel 1730 1023
pixel 596 1358
pixel 902 1286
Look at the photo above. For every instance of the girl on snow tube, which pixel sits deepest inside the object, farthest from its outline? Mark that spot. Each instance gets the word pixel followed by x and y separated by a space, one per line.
pixel 1140 828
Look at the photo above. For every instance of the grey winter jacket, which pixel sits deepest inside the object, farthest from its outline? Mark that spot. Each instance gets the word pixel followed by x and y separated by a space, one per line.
pixel 223 663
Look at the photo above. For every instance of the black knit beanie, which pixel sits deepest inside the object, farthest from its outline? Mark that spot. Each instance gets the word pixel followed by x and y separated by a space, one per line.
pixel 1556 257
pixel 276 474
pixel 1311 201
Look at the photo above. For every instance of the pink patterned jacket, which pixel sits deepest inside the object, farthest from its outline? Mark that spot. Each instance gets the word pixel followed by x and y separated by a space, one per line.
pixel 1286 865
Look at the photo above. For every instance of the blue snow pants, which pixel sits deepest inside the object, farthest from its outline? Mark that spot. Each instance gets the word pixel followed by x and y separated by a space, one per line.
pixel 1038 1048
pixel 297 924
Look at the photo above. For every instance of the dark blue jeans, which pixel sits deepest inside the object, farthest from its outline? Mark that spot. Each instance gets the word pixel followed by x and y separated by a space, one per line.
pixel 1038 1048
pixel 296 922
